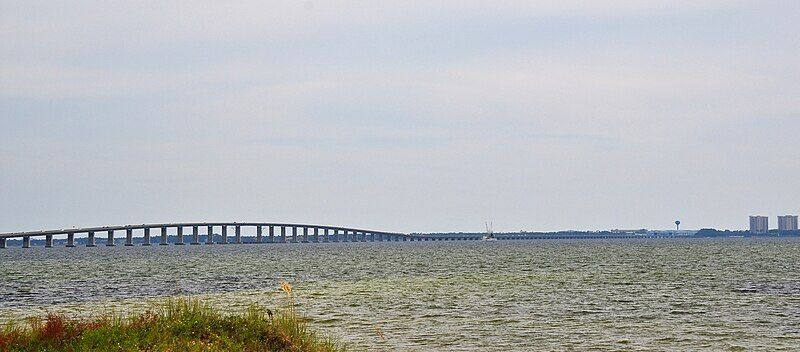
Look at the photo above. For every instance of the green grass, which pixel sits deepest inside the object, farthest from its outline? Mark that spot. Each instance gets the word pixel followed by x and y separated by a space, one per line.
pixel 176 325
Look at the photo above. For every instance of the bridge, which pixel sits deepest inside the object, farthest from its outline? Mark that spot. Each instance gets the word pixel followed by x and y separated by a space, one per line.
pixel 275 233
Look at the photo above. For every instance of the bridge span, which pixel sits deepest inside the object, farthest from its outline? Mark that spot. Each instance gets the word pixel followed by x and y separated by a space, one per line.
pixel 217 233
pixel 190 233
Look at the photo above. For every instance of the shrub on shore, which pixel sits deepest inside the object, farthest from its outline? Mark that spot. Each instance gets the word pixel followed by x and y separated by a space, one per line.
pixel 176 325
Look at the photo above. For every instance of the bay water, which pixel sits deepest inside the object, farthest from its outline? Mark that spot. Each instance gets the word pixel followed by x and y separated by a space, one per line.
pixel 727 294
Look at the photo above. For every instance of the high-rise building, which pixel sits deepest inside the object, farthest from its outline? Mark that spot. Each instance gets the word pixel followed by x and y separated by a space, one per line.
pixel 759 224
pixel 787 223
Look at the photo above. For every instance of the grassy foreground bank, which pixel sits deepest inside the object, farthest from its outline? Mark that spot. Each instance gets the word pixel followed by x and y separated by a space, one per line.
pixel 176 325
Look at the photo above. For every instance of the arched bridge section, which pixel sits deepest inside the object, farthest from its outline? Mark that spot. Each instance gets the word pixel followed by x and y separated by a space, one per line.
pixel 212 233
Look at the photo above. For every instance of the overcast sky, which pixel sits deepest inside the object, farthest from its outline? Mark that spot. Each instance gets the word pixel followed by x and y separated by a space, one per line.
pixel 404 116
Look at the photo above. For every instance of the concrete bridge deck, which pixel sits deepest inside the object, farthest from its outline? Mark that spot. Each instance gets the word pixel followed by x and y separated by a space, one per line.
pixel 299 233
pixel 275 233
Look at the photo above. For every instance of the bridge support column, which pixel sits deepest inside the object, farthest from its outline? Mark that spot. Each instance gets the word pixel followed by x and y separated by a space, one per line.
pixel 271 234
pixel 110 238
pixel 325 234
pixel 294 234
pixel 180 236
pixel 146 241
pixel 224 234
pixel 48 241
pixel 316 235
pixel 26 242
pixel 305 235
pixel 259 230
pixel 195 236
pixel 336 235
pixel 129 237
pixel 238 234
pixel 164 239
pixel 70 240
pixel 2 243
pixel 90 241
pixel 345 236
pixel 364 237
pixel 283 234
pixel 210 235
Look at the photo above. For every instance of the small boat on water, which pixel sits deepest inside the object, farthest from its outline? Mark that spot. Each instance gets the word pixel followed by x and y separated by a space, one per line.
pixel 489 236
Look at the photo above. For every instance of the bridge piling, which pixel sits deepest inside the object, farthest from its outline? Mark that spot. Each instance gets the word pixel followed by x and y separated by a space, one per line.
pixel 70 240
pixel 305 234
pixel 129 237
pixel 294 234
pixel 224 234
pixel 325 235
pixel 259 230
pixel 2 243
pixel 238 230
pixel 90 241
pixel 210 235
pixel 164 239
pixel 110 238
pixel 26 242
pixel 179 242
pixel 316 235
pixel 195 236
pixel 146 241
pixel 48 241
pixel 271 234
pixel 283 234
